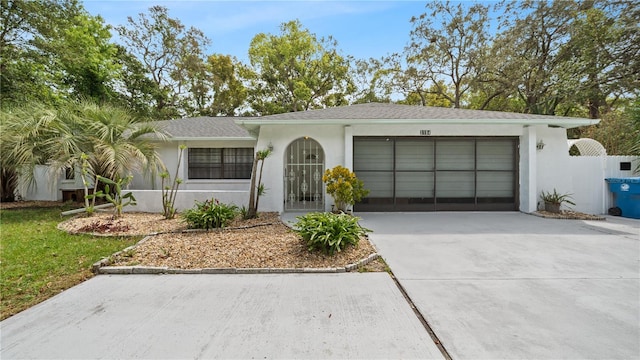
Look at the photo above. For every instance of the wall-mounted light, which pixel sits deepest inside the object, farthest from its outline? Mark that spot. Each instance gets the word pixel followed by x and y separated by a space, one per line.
pixel 540 145
pixel 270 146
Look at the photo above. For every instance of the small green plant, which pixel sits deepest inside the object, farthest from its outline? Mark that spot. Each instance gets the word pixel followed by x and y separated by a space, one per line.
pixel 169 192
pixel 243 212
pixel 128 253
pixel 345 188
pixel 210 214
pixel 554 200
pixel 115 197
pixel 329 232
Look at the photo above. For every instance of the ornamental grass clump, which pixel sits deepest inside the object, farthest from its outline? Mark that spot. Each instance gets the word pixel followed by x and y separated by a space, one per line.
pixel 345 188
pixel 329 232
pixel 210 214
pixel 554 200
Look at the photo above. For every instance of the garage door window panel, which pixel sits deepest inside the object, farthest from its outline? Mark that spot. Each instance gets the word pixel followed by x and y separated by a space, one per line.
pixel 455 187
pixel 379 183
pixel 414 185
pixel 414 155
pixel 373 155
pixel 455 155
pixel 373 164
pixel 495 155
pixel 495 187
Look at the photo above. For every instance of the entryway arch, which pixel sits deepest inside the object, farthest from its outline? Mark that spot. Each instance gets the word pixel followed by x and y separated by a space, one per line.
pixel 304 166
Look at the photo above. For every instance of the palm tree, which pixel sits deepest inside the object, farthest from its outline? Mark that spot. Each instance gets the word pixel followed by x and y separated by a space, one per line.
pixel 30 135
pixel 107 139
pixel 119 143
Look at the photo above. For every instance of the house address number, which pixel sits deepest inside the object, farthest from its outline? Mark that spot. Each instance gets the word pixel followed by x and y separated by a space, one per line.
pixel 425 132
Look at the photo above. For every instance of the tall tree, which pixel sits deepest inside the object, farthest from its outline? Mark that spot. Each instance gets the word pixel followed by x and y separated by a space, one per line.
pixel 431 97
pixel 214 86
pixel 82 52
pixel 603 50
pixel 449 51
pixel 165 48
pixel 296 71
pixel 406 78
pixel 136 91
pixel 618 130
pixel 370 79
pixel 527 56
pixel 52 50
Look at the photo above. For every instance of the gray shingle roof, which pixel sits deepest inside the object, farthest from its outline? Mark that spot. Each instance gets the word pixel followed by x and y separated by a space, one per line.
pixel 236 127
pixel 395 114
pixel 372 111
pixel 203 127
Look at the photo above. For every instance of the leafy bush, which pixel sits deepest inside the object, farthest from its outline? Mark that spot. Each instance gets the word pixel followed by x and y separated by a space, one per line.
pixel 329 232
pixel 210 214
pixel 343 185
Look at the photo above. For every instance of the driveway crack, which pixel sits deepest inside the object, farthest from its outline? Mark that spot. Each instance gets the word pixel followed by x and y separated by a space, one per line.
pixel 422 319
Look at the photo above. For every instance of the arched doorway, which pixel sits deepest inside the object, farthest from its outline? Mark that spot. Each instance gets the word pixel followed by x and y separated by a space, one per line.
pixel 304 166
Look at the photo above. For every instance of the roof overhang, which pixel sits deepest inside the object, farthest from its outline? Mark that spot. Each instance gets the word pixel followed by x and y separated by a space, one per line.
pixel 187 138
pixel 564 122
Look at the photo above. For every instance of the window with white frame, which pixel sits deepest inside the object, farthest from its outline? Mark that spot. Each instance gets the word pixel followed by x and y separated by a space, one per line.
pixel 220 163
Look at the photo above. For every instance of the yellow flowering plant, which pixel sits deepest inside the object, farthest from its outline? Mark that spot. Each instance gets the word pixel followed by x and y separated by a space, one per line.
pixel 345 188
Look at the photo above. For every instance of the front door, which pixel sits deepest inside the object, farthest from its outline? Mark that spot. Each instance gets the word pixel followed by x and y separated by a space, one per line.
pixel 304 189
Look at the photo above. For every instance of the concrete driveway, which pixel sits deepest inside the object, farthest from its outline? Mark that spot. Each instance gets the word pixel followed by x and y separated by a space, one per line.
pixel 262 316
pixel 511 285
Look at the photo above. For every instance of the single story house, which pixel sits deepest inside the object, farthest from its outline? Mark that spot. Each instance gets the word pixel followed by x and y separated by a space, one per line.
pixel 411 158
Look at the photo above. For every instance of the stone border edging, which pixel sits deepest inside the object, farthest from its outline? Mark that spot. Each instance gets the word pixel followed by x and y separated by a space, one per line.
pixel 102 267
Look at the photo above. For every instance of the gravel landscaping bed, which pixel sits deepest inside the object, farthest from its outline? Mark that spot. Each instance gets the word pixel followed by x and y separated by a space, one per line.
pixel 264 242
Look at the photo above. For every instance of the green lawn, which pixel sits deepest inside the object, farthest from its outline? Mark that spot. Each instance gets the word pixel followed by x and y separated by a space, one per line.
pixel 37 261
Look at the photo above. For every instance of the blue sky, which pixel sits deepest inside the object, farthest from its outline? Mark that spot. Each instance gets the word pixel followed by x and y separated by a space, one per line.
pixel 363 29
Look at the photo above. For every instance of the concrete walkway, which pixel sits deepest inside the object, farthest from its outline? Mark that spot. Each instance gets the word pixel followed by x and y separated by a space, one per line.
pixel 511 285
pixel 328 316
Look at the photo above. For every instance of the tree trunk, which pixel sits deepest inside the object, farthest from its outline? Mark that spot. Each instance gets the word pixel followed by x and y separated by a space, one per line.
pixel 252 211
pixel 258 186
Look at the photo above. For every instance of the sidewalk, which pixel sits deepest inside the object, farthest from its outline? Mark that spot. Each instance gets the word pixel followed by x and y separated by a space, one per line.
pixel 348 315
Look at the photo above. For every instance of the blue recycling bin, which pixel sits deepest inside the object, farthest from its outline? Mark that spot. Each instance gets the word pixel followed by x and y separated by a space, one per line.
pixel 627 195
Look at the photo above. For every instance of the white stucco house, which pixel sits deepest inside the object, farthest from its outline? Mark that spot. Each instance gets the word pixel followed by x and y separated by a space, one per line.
pixel 411 158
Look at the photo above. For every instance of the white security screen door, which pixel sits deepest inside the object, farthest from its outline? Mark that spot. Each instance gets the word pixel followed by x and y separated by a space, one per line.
pixel 304 189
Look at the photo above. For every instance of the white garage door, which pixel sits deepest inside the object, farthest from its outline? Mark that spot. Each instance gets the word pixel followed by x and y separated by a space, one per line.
pixel 430 174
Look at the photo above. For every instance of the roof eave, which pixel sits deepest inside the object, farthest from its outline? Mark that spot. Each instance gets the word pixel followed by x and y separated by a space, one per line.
pixel 567 123
pixel 204 138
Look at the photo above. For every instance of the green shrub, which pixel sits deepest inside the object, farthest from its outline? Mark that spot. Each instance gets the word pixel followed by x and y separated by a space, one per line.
pixel 345 188
pixel 210 214
pixel 329 232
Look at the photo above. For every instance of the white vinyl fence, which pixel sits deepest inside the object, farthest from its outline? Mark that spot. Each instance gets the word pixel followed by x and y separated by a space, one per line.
pixel 612 170
pixel 590 190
